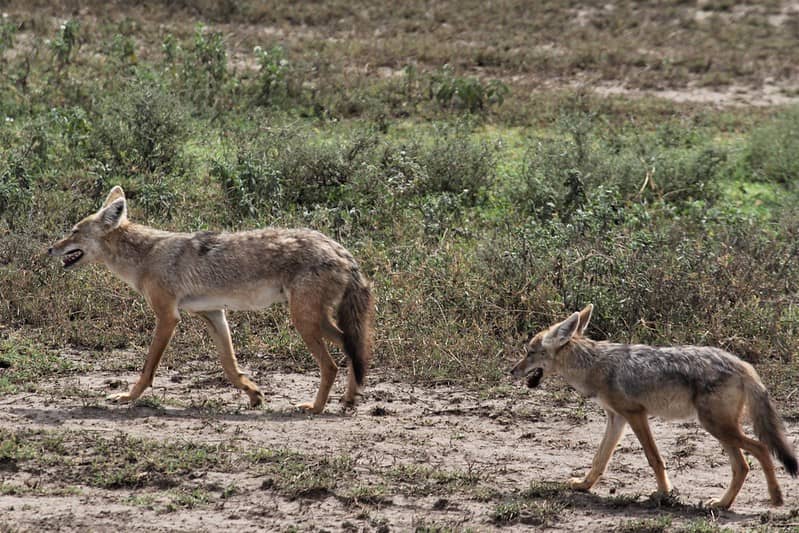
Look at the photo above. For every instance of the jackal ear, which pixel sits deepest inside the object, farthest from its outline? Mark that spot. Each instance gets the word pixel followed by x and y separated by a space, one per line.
pixel 115 193
pixel 563 332
pixel 114 214
pixel 585 318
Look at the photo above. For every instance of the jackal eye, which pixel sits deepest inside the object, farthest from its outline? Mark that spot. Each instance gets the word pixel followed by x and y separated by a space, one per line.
pixel 74 231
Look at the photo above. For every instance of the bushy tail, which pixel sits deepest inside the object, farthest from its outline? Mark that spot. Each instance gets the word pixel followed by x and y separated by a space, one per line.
pixel 355 315
pixel 768 425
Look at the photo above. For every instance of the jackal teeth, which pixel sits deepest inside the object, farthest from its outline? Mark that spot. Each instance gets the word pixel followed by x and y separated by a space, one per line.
pixel 70 258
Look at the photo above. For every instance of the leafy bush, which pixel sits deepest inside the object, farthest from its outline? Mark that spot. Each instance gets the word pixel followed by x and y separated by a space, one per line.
pixel 65 44
pixel 200 71
pixel 471 94
pixel 140 131
pixel 8 29
pixel 15 188
pixel 271 85
pixel 284 169
pixel 773 149
pixel 457 164
pixel 669 165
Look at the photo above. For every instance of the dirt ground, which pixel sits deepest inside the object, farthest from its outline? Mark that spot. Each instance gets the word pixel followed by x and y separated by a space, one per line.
pixel 501 443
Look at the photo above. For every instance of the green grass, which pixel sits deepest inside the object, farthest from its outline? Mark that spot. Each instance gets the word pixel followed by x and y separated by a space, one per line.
pixel 26 365
pixel 648 525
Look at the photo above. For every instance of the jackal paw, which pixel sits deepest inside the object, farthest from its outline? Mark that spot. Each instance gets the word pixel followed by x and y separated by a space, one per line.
pixel 715 503
pixel 349 401
pixel 256 398
pixel 120 397
pixel 579 483
pixel 310 408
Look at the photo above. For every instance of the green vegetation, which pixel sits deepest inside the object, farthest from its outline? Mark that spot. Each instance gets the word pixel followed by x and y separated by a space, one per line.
pixel 477 224
pixel 23 364
pixel 677 226
pixel 461 154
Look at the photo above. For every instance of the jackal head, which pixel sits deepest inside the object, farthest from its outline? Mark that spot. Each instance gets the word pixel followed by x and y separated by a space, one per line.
pixel 540 350
pixel 83 244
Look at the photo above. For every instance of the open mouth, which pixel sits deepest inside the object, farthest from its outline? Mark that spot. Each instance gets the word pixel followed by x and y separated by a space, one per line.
pixel 534 377
pixel 70 258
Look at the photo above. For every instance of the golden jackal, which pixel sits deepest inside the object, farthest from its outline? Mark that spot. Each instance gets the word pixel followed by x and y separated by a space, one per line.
pixel 208 273
pixel 633 381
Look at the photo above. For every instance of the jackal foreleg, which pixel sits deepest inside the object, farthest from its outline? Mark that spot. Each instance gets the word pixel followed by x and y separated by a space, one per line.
pixel 166 321
pixel 613 432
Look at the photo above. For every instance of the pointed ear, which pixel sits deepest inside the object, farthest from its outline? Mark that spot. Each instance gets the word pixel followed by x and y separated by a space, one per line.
pixel 562 333
pixel 114 214
pixel 115 193
pixel 585 318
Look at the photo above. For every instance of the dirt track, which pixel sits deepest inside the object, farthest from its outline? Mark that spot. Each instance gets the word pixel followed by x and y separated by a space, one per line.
pixel 420 457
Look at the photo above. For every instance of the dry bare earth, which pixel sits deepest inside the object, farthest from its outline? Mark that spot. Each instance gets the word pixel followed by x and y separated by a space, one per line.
pixel 408 457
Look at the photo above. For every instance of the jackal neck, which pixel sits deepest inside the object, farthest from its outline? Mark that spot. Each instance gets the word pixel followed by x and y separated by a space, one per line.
pixel 578 353
pixel 127 247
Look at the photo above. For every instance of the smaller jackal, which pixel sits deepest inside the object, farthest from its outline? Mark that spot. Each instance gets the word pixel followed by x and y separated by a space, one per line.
pixel 632 382
pixel 208 273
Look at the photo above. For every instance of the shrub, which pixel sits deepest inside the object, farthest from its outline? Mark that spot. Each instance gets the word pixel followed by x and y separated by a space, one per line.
pixel 458 165
pixel 773 149
pixel 199 71
pixel 65 44
pixel 283 170
pixel 471 94
pixel 271 84
pixel 140 131
pixel 669 165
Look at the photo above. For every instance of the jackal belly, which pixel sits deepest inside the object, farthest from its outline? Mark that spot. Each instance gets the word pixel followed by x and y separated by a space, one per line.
pixel 240 299
pixel 669 402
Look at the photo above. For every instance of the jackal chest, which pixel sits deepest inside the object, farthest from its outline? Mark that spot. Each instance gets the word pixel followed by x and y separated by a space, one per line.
pixel 247 299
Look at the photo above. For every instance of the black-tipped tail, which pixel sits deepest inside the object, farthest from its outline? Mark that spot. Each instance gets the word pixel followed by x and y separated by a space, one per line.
pixel 355 316
pixel 769 428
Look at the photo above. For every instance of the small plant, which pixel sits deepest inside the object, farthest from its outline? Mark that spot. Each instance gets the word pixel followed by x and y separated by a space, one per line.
pixel 26 363
pixel 65 44
pixel 773 148
pixel 652 525
pixel 123 49
pixel 506 513
pixel 271 84
pixel 200 71
pixel 459 165
pixel 471 94
pixel 140 131
pixel 186 499
pixel 8 29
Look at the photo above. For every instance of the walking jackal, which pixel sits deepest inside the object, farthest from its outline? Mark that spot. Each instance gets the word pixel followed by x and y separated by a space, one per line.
pixel 208 273
pixel 632 382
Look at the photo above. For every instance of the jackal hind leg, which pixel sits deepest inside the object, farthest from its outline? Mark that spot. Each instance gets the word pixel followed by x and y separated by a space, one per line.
pixel 640 425
pixel 613 433
pixel 333 333
pixel 308 318
pixel 728 431
pixel 220 332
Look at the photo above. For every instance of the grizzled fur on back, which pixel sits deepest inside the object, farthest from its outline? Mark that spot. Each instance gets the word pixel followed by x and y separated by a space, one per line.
pixel 636 368
pixel 192 262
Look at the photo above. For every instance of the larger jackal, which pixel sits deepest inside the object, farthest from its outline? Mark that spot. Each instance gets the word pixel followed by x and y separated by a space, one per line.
pixel 209 273
pixel 632 382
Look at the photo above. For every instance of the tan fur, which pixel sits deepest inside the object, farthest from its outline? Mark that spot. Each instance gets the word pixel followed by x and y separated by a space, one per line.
pixel 209 273
pixel 632 382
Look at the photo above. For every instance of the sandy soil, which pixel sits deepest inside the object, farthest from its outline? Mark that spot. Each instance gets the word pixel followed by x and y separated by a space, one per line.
pixel 509 438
